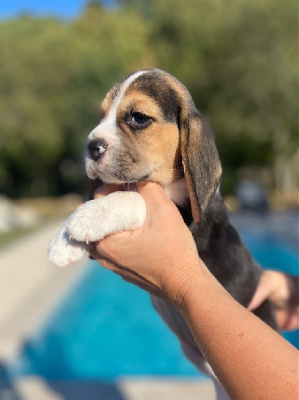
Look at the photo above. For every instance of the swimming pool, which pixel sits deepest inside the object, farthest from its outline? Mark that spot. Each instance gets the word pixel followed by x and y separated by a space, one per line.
pixel 106 328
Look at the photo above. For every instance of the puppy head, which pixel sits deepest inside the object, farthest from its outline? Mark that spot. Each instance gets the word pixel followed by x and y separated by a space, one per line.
pixel 138 138
pixel 151 130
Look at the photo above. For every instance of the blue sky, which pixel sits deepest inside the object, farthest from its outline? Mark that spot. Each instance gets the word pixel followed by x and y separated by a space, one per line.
pixel 59 8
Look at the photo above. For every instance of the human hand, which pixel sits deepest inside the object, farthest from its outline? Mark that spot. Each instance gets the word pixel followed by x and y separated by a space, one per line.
pixel 161 256
pixel 281 290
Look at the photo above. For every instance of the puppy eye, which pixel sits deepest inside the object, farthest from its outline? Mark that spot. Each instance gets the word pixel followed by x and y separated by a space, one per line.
pixel 138 120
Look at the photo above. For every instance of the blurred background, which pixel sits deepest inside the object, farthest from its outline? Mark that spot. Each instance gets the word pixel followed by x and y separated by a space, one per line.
pixel 82 333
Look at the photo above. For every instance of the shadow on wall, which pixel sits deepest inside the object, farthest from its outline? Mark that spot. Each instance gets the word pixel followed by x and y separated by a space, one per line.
pixel 11 389
pixel 91 390
pixel 7 389
pixel 57 390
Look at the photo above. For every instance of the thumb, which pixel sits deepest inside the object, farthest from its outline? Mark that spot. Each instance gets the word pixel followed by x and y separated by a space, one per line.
pixel 153 193
pixel 263 292
pixel 105 189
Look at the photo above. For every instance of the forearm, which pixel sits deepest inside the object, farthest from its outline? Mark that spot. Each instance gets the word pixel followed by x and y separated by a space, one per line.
pixel 250 359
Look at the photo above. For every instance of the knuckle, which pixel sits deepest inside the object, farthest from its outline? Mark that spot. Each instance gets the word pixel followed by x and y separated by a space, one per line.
pixel 104 246
pixel 100 247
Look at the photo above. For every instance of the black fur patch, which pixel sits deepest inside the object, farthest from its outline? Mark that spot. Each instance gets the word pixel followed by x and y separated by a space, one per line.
pixel 153 85
pixel 115 90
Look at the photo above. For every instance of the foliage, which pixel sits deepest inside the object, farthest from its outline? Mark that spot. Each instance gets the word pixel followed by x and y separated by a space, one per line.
pixel 239 60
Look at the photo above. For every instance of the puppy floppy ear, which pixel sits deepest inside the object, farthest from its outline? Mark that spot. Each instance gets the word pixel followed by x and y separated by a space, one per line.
pixel 200 159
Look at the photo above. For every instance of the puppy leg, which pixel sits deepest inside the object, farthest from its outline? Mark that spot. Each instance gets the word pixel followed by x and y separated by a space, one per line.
pixel 63 251
pixel 116 212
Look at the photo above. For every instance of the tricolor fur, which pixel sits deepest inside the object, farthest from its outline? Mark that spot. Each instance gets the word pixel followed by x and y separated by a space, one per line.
pixel 151 130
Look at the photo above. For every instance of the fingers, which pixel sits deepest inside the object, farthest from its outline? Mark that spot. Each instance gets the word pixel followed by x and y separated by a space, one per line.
pixel 288 320
pixel 126 274
pixel 263 291
pixel 273 286
pixel 152 192
pixel 117 242
pixel 155 197
pixel 106 189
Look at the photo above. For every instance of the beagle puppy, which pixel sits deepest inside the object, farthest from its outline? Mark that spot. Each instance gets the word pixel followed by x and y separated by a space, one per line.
pixel 151 130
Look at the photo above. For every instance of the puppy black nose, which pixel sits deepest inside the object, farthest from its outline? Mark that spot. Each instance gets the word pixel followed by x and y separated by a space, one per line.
pixel 96 148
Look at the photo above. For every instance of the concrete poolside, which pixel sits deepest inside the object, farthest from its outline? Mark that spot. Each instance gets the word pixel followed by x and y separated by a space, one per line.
pixel 30 287
pixel 35 388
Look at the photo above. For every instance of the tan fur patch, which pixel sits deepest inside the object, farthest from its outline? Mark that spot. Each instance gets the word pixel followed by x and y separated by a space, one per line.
pixel 139 102
pixel 159 144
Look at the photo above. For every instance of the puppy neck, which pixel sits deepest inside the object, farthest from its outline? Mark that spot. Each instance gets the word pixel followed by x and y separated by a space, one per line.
pixel 177 192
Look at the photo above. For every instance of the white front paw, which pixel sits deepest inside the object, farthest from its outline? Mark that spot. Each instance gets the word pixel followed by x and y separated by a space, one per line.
pixel 63 251
pixel 119 211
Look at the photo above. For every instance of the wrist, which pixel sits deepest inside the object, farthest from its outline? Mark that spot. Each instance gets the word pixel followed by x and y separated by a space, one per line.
pixel 199 290
pixel 192 282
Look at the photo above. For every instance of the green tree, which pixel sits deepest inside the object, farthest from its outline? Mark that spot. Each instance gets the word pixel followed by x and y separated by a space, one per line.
pixel 53 76
pixel 238 59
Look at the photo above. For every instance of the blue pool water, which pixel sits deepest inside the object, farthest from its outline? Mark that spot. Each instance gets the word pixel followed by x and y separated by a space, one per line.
pixel 105 327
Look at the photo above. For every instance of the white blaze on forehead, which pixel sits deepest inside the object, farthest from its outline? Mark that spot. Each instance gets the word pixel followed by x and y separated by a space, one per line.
pixel 125 87
pixel 107 128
